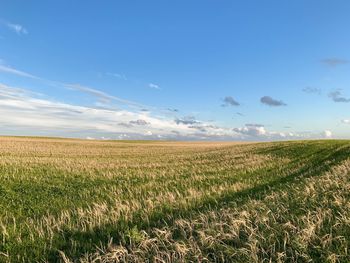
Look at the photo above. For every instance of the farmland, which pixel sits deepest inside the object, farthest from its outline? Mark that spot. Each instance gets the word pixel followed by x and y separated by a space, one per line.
pixel 65 200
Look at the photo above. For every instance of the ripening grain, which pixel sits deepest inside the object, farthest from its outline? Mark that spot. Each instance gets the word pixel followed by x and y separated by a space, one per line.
pixel 68 200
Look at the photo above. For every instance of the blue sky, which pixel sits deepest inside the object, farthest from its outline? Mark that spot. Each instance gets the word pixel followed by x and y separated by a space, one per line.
pixel 208 70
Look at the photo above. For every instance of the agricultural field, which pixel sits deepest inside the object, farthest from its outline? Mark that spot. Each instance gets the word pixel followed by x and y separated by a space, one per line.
pixel 65 200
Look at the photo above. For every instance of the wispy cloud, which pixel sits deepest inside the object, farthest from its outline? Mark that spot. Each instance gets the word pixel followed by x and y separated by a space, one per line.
pixel 333 62
pixel 267 100
pixel 102 96
pixel 154 86
pixel 117 75
pixel 255 125
pixel 337 96
pixel 229 101
pixel 10 70
pixel 123 77
pixel 312 90
pixel 346 121
pixel 172 110
pixel 17 28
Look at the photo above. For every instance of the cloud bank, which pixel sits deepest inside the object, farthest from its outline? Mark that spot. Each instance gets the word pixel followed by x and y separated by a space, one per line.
pixel 23 113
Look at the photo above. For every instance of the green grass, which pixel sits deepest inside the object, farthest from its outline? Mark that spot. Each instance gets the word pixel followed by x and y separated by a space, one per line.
pixel 82 201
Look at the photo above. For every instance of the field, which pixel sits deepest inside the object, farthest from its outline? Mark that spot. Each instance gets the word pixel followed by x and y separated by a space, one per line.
pixel 64 200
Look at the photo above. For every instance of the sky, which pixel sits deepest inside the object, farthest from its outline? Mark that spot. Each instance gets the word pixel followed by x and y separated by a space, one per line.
pixel 175 70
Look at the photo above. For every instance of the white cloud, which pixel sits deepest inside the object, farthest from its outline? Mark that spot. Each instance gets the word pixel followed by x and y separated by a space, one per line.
pixel 251 130
pixel 259 132
pixel 19 29
pixel 153 86
pixel 345 121
pixel 327 134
